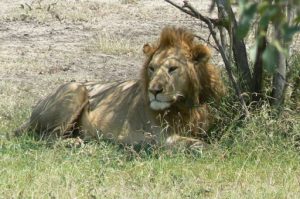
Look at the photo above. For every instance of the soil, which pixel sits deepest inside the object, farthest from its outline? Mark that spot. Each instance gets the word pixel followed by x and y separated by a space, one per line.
pixel 44 43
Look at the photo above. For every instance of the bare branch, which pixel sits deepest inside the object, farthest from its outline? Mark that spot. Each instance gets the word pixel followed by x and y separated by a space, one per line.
pixel 180 8
pixel 194 13
pixel 207 41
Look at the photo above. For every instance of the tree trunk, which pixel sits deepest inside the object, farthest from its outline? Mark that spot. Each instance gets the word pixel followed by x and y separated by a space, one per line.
pixel 279 78
pixel 258 65
pixel 241 60
pixel 291 86
pixel 239 51
pixel 280 73
pixel 258 70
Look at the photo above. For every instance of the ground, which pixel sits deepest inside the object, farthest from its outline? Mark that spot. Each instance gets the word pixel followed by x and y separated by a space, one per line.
pixel 44 43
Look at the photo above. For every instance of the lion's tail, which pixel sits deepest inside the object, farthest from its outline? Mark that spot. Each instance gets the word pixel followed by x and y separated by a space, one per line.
pixel 23 129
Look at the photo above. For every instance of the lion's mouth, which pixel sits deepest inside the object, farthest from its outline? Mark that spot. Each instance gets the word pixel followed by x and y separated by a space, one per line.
pixel 162 102
pixel 160 105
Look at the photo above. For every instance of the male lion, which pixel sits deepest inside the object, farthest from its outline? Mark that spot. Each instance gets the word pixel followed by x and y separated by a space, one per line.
pixel 166 106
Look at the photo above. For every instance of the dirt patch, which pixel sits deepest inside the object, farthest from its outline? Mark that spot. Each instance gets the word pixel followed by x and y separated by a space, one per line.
pixel 49 42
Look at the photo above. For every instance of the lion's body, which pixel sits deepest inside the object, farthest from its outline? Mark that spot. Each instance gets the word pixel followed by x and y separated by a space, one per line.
pixel 117 111
pixel 166 105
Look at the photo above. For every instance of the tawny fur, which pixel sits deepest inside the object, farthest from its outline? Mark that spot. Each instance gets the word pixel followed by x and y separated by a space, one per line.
pixel 166 106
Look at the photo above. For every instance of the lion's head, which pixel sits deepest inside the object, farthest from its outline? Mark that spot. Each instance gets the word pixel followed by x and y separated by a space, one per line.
pixel 177 72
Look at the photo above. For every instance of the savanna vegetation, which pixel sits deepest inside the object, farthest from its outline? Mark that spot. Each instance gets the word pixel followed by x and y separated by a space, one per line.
pixel 253 155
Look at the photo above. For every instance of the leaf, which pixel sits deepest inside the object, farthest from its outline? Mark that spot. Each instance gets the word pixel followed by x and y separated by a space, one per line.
pixel 270 58
pixel 262 6
pixel 297 20
pixel 242 5
pixel 279 47
pixel 268 15
pixel 289 31
pixel 246 17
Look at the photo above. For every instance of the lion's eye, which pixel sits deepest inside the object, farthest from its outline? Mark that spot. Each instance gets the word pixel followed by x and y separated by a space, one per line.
pixel 172 69
pixel 151 69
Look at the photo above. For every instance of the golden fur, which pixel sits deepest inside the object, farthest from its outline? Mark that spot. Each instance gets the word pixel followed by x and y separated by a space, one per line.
pixel 166 106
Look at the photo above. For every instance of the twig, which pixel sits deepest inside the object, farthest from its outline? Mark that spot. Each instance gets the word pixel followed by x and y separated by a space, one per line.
pixel 29 7
pixel 216 22
pixel 210 23
pixel 207 41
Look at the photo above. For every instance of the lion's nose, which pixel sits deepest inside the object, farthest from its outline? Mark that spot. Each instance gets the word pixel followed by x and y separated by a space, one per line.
pixel 156 89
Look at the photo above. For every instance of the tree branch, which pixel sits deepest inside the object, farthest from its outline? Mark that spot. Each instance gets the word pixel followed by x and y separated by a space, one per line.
pixel 194 13
pixel 207 41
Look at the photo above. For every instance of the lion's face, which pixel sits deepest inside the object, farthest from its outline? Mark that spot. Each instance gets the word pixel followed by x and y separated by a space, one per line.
pixel 168 80
pixel 177 72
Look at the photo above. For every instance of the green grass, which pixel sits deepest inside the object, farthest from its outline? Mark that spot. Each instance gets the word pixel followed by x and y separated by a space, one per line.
pixel 255 158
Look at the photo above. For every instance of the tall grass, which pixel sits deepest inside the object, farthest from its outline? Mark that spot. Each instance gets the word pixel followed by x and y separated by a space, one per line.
pixel 253 158
pixel 256 157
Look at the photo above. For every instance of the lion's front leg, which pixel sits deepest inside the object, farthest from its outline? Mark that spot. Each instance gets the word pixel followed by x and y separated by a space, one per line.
pixel 177 141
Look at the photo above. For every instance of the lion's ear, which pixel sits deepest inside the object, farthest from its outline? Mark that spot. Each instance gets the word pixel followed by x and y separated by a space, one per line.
pixel 148 49
pixel 201 53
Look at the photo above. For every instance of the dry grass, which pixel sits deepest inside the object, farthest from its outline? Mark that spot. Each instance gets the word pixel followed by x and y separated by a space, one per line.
pixel 112 45
pixel 43 11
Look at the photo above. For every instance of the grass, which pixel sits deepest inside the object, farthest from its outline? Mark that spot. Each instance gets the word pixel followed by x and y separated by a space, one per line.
pixel 256 158
pixel 112 45
pixel 253 158
pixel 42 11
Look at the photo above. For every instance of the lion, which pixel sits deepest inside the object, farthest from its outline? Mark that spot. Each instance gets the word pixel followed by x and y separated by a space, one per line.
pixel 166 106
